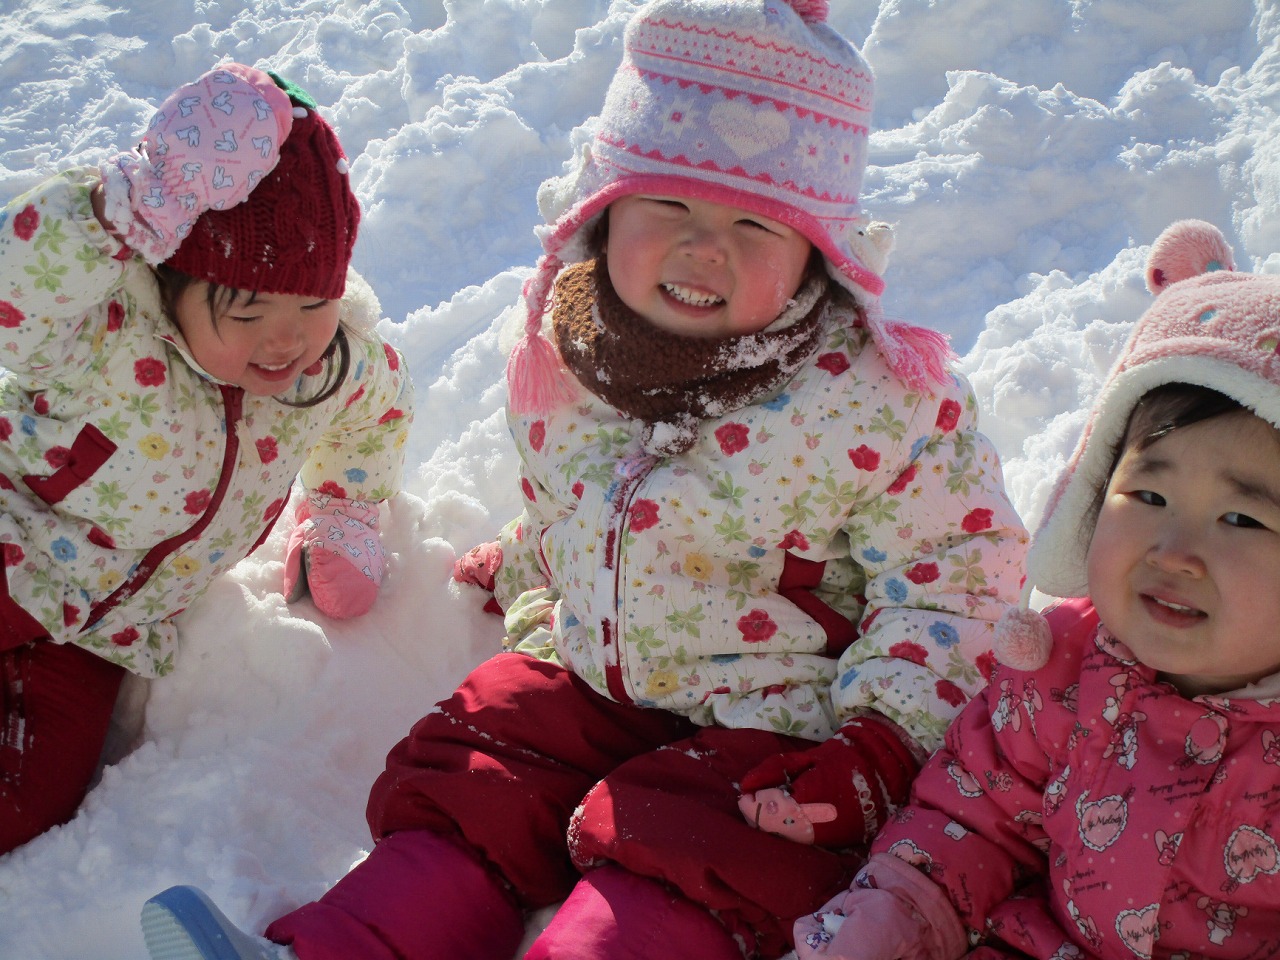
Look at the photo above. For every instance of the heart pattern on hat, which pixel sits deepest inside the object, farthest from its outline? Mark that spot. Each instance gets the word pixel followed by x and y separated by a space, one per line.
pixel 749 132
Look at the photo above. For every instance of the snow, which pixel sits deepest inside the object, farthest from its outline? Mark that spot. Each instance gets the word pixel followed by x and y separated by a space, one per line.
pixel 1027 152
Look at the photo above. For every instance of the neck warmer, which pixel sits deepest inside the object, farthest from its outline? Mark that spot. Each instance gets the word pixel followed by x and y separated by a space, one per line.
pixel 670 381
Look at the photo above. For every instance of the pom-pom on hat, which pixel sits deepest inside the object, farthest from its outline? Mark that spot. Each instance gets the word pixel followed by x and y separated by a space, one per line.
pixel 1209 326
pixel 295 232
pixel 756 104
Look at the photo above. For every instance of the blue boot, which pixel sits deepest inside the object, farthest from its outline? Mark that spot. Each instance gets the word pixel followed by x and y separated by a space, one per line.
pixel 183 924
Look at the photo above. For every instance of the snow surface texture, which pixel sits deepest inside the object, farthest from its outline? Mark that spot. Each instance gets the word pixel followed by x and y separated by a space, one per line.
pixel 1027 151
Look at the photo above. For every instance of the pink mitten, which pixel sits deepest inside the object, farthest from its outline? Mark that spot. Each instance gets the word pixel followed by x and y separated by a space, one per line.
pixel 335 554
pixel 891 912
pixel 838 793
pixel 207 147
pixel 479 565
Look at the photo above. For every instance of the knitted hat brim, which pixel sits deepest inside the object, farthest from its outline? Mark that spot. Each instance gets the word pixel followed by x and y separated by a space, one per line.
pixel 1057 563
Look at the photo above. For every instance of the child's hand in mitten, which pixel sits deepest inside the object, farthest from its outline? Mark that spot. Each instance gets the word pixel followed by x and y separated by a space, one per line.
pixel 479 565
pixel 891 912
pixel 208 145
pixel 838 793
pixel 335 554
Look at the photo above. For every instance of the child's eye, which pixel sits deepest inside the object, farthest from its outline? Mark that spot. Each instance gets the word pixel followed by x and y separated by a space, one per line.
pixel 316 306
pixel 243 319
pixel 1149 497
pixel 1240 520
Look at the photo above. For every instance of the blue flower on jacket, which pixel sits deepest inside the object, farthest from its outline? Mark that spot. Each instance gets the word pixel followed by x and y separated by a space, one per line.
pixel 895 590
pixel 918 446
pixel 944 634
pixel 568 618
pixel 27 425
pixel 777 403
pixel 872 555
pixel 356 475
pixel 63 549
pixel 847 678
pixel 756 552
pixel 725 657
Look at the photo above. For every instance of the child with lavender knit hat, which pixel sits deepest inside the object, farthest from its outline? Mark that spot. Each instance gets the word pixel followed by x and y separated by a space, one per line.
pixel 761 556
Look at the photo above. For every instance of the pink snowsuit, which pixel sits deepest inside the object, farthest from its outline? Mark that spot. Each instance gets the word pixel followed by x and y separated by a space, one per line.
pixel 1087 809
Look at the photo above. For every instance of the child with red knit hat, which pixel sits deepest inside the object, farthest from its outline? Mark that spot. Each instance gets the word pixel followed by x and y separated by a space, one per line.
pixel 182 339
pixel 1112 793
pixel 762 551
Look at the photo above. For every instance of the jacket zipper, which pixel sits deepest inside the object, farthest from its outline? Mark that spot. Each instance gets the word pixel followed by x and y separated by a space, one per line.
pixel 232 406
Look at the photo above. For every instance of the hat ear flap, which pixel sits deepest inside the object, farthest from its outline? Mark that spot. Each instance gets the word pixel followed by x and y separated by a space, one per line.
pixel 1187 249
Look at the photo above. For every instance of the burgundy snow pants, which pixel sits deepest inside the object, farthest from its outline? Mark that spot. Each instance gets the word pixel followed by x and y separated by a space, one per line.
pixel 56 702
pixel 529 774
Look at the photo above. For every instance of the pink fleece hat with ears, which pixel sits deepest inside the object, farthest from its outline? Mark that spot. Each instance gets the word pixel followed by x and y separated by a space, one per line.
pixel 1210 327
pixel 756 104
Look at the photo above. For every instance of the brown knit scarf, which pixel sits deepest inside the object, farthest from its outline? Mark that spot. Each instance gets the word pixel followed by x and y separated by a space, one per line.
pixel 667 380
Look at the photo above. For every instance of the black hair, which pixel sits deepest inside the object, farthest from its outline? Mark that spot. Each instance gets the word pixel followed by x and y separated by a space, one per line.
pixel 1159 412
pixel 173 283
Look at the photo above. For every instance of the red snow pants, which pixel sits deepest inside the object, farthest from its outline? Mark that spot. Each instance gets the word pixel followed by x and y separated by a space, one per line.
pixel 539 777
pixel 56 702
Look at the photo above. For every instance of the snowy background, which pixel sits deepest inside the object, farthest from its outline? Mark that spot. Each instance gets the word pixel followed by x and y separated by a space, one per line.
pixel 1027 150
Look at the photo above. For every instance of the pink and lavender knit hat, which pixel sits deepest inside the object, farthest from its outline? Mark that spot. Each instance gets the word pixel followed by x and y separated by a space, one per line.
pixel 1209 326
pixel 757 104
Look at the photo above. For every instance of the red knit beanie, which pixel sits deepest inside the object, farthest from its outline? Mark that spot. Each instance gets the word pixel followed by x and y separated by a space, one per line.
pixel 295 232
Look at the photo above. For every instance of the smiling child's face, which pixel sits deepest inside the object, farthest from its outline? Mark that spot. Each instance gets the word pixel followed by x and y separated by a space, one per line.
pixel 702 269
pixel 260 342
pixel 1184 565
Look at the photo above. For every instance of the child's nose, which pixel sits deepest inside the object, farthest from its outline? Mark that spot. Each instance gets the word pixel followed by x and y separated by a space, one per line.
pixel 288 331
pixel 704 243
pixel 1175 552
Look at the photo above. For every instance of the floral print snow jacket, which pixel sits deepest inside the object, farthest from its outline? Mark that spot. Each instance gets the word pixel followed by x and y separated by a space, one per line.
pixel 129 479
pixel 843 547
pixel 1086 809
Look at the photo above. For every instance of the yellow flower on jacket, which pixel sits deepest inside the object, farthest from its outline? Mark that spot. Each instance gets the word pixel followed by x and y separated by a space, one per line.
pixel 698 566
pixel 661 682
pixel 153 446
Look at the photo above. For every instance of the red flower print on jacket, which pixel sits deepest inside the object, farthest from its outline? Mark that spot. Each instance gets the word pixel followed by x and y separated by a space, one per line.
pixel 197 501
pixel 333 489
pixel 794 539
pixel 268 450
pixel 537 435
pixel 25 222
pixel 905 477
pixel 644 514
pixel 733 438
pixel 57 456
pixel 977 519
pixel 126 637
pixel 922 572
pixel 10 316
pixel 834 363
pixel 149 372
pixel 948 692
pixel 756 627
pixel 6 428
pixel 273 510
pixel 395 413
pixel 948 415
pixel 102 538
pixel 906 650
pixel 13 555
pixel 986 664
pixel 115 316
pixel 864 458
pixel 393 358
pixel 527 489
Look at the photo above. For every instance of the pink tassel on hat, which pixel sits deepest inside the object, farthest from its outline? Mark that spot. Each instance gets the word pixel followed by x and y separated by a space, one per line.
pixel 535 376
pixel 918 355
